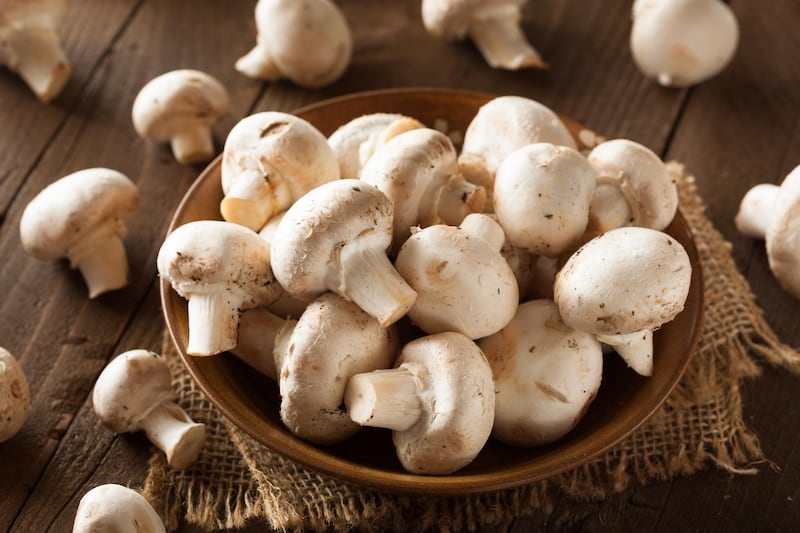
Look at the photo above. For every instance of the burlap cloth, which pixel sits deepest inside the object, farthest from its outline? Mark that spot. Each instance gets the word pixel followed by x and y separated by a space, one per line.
pixel 700 424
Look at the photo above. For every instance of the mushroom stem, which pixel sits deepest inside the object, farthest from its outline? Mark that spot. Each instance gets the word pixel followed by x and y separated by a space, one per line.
pixel 457 199
pixel 256 341
pixel 192 145
pixel 213 308
pixel 173 432
pixel 502 43
pixel 258 63
pixel 384 399
pixel 484 227
pixel 636 349
pixel 40 61
pixel 255 197
pixel 103 264
pixel 368 278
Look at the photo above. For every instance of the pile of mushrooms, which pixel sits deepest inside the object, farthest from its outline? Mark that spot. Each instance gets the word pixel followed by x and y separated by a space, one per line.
pixel 402 233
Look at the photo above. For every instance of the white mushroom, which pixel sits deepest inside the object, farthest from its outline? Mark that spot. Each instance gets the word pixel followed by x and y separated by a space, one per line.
pixel 133 393
pixel 756 210
pixel 306 41
pixel 82 217
pixel 493 25
pixel 542 194
pixel 462 281
pixel 546 374
pixel 355 141
pixel 181 107
pixel 683 42
pixel 256 339
pixel 270 160
pixel 417 171
pixel 438 400
pixel 29 44
pixel 116 509
pixel 621 286
pixel 15 397
pixel 634 187
pixel 335 238
pixel 221 269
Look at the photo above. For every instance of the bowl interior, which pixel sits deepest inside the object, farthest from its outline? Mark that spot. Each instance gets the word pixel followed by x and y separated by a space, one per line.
pixel 251 401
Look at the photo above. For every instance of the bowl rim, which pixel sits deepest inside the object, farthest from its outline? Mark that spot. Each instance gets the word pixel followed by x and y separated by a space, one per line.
pixel 315 458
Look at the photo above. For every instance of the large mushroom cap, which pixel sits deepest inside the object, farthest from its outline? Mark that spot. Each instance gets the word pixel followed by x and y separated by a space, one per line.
pixel 14 396
pixel 113 508
pixel 783 234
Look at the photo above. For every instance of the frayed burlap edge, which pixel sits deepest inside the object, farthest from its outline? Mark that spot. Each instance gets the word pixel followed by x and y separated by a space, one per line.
pixel 700 425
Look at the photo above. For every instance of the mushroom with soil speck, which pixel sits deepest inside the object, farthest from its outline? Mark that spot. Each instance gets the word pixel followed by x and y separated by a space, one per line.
pixel 82 217
pixel 133 393
pixel 438 401
pixel 15 396
pixel 113 508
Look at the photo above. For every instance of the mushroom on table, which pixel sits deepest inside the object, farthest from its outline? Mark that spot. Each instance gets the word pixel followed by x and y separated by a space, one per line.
pixel 15 396
pixel 112 508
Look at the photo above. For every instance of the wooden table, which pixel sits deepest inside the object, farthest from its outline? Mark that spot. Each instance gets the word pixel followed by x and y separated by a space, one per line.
pixel 738 129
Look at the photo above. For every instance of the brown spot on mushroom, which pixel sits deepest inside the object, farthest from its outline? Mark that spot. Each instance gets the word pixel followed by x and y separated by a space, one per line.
pixel 276 128
pixel 550 392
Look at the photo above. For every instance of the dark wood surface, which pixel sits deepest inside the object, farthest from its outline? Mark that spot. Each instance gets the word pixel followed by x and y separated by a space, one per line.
pixel 740 128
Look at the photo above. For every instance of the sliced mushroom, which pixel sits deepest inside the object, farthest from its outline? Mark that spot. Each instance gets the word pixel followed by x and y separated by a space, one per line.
pixel 335 238
pixel 15 396
pixel 82 217
pixel 116 509
pixel 270 160
pixel 133 393
pixel 546 374
pixel 221 269
pixel 181 107
pixel 438 400
pixel 306 41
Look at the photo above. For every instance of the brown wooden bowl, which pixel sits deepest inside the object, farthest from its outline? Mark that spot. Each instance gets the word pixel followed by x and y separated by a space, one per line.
pixel 252 401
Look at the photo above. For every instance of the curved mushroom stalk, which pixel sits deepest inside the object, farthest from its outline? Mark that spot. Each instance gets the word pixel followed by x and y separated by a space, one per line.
pixel 306 41
pixel 82 217
pixel 494 27
pixel 29 45
pixel 15 397
pixel 222 269
pixel 438 400
pixel 335 238
pixel 270 160
pixel 621 286
pixel 258 329
pixel 118 509
pixel 133 393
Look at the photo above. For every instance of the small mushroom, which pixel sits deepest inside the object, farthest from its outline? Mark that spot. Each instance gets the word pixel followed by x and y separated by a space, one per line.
pixel 15 397
pixel 356 141
pixel 82 217
pixel 546 374
pixel 181 107
pixel 271 159
pixel 493 25
pixel 438 399
pixel 221 269
pixel 756 210
pixel 116 509
pixel 462 281
pixel 634 187
pixel 335 238
pixel 542 194
pixel 683 42
pixel 306 41
pixel 622 285
pixel 133 393
pixel 29 44
pixel 418 172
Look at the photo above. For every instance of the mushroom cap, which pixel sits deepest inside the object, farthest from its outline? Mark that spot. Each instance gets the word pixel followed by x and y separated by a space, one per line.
pixel 507 123
pixel 129 387
pixel 167 103
pixel 274 150
pixel 623 281
pixel 15 397
pixel 457 396
pixel 542 194
pixel 332 341
pixel 756 210
pixel 113 508
pixel 546 374
pixel 643 178
pixel 354 142
pixel 211 255
pixel 683 42
pixel 309 40
pixel 410 170
pixel 68 210
pixel 314 229
pixel 451 19
pixel 462 283
pixel 783 235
